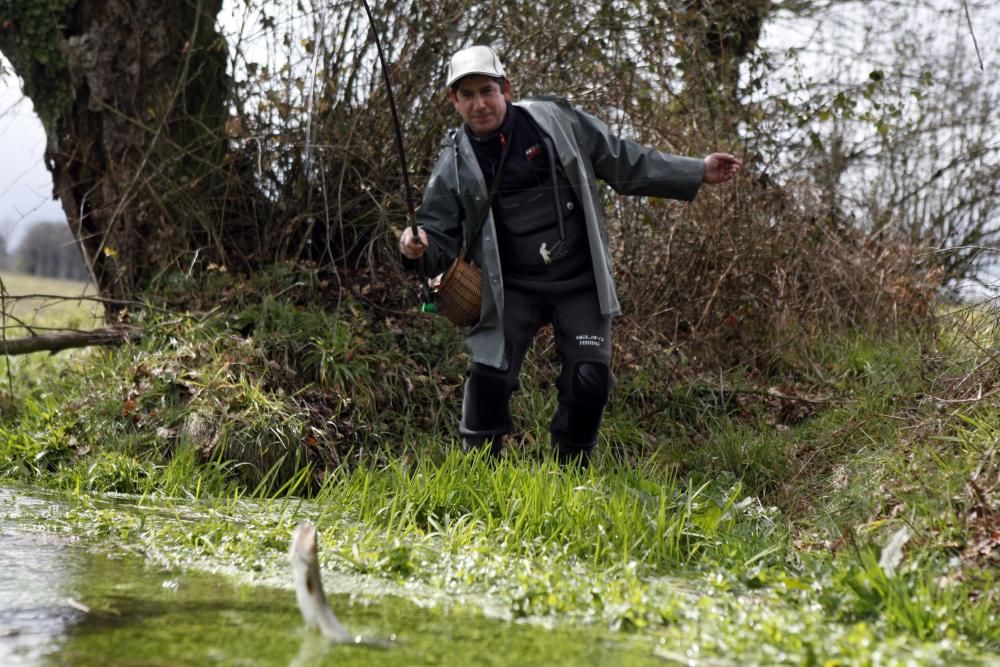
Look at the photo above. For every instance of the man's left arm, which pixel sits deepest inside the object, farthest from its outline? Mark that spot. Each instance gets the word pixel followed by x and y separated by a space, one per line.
pixel 633 169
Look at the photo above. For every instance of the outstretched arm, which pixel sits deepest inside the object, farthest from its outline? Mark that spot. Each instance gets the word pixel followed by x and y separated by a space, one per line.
pixel 634 169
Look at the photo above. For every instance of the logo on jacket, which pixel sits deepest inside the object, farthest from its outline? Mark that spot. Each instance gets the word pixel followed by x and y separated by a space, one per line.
pixel 549 255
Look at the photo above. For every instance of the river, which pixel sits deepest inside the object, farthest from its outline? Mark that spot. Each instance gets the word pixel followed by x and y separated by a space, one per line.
pixel 67 602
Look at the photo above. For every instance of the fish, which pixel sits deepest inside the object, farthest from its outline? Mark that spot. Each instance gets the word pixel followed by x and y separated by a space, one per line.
pixel 315 609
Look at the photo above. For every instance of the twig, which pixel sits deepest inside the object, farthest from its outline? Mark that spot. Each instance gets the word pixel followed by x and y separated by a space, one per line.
pixel 66 297
pixel 965 5
pixel 984 504
pixel 18 321
pixel 771 392
pixel 715 293
pixel 978 397
pixel 985 459
pixel 3 334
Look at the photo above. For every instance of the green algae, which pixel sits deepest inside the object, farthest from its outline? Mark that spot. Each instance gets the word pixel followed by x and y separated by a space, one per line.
pixel 100 602
pixel 166 582
pixel 130 612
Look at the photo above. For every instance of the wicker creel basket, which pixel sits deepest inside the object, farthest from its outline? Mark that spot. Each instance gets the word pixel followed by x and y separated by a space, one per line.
pixel 460 293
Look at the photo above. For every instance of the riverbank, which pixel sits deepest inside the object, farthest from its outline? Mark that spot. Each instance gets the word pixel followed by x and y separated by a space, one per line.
pixel 741 519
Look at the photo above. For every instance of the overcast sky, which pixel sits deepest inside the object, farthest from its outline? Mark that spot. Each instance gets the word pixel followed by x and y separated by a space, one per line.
pixel 25 184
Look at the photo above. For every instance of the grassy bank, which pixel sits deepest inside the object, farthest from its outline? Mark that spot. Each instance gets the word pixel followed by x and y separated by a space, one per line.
pixel 745 517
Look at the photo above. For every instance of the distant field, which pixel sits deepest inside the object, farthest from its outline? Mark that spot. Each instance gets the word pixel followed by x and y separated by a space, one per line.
pixel 54 304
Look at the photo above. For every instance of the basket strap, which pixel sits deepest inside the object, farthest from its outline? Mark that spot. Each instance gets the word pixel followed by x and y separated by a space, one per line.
pixel 466 252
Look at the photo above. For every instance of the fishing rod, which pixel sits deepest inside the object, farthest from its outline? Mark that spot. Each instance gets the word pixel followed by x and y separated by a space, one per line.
pixel 407 195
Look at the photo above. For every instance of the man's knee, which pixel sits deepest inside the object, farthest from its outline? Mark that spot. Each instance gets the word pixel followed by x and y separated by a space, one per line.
pixel 592 382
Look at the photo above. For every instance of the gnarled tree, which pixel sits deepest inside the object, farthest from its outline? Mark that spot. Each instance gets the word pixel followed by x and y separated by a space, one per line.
pixel 131 94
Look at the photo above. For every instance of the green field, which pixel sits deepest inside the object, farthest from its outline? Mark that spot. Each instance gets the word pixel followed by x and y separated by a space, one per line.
pixel 41 303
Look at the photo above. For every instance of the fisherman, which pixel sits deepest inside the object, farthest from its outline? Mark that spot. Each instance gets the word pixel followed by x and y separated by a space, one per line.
pixel 541 243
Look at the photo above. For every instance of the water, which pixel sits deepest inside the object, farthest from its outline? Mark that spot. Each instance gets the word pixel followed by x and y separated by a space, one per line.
pixel 65 602
pixel 36 610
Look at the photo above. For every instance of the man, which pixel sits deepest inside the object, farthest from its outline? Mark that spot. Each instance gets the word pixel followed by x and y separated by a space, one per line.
pixel 541 242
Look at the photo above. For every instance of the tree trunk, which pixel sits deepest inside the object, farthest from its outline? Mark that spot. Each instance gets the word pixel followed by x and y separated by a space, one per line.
pixel 714 39
pixel 131 94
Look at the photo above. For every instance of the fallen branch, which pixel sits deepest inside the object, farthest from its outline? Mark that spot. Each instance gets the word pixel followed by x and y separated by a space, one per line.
pixel 55 342
pixel 771 392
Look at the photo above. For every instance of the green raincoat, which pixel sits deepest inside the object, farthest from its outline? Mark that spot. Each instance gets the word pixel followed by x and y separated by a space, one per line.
pixel 454 203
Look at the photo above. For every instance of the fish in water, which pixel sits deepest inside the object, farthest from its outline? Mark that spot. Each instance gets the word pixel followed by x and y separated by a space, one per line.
pixel 309 588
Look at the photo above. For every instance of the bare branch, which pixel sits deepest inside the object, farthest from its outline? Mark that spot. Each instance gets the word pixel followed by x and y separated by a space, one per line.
pixel 56 342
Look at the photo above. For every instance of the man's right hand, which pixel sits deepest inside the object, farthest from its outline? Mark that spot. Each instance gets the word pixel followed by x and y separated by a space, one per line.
pixel 413 247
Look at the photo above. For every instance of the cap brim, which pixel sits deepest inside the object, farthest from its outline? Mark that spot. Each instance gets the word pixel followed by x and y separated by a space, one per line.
pixel 492 75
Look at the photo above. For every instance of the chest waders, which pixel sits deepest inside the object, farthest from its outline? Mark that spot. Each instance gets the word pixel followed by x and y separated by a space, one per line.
pixel 548 278
pixel 542 233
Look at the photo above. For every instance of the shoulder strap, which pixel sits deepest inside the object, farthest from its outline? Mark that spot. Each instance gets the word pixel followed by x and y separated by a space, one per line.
pixel 467 251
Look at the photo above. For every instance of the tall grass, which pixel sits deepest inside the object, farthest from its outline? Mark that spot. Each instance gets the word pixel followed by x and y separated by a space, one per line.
pixel 612 514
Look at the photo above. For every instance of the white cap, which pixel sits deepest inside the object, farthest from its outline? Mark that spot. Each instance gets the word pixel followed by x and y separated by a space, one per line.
pixel 474 60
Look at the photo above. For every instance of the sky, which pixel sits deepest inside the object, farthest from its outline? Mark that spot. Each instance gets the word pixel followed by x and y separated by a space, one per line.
pixel 25 183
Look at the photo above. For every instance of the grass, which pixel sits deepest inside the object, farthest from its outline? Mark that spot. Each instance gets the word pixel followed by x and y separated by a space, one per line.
pixel 622 515
pixel 727 516
pixel 724 577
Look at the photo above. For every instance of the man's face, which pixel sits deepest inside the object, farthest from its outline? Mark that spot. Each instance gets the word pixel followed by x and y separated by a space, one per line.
pixel 481 102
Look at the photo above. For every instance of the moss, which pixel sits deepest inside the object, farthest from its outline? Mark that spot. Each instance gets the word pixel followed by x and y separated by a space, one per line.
pixel 31 36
